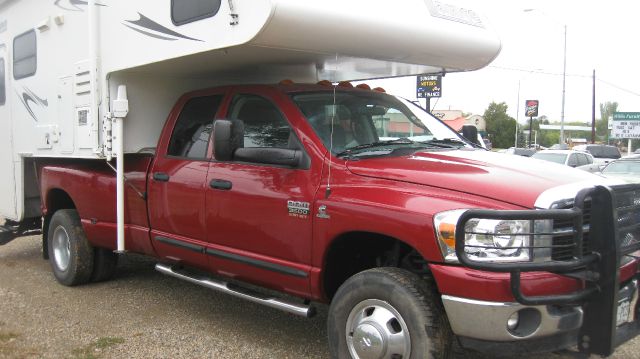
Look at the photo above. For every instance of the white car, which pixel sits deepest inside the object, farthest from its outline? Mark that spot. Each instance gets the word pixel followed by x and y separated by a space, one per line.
pixel 602 154
pixel 569 158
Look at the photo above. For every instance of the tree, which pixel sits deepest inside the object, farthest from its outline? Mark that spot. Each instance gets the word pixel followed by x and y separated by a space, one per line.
pixel 501 128
pixel 602 125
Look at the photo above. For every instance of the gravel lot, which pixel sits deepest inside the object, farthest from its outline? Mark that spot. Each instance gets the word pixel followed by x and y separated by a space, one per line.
pixel 143 314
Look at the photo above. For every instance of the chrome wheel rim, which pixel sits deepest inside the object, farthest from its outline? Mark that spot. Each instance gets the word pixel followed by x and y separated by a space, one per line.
pixel 376 330
pixel 61 248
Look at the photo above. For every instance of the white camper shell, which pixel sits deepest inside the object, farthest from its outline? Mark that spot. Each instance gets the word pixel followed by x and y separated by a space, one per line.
pixel 63 61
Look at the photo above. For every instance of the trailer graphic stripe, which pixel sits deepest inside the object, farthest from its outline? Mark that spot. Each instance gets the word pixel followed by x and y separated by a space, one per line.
pixel 72 5
pixel 257 263
pixel 149 24
pixel 27 98
pixel 150 34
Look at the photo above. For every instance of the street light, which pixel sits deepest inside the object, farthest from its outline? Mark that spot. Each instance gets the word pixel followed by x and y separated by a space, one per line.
pixel 564 76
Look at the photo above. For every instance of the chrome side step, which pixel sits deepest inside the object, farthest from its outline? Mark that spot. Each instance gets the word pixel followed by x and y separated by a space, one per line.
pixel 237 291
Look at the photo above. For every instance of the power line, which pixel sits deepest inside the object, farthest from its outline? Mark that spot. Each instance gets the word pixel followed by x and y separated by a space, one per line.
pixel 541 72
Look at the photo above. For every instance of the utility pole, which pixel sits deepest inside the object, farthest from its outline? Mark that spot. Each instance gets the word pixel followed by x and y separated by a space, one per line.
pixel 593 109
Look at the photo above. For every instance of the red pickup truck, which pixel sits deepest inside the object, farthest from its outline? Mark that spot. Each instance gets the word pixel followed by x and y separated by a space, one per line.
pixel 422 243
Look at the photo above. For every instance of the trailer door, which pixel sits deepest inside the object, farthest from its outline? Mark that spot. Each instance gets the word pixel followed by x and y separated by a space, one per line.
pixel 7 178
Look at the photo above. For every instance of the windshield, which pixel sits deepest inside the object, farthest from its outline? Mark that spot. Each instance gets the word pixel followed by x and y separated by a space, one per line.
pixel 627 167
pixel 551 157
pixel 370 123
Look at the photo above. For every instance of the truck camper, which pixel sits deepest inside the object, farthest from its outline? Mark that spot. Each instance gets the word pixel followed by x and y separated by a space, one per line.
pixel 226 137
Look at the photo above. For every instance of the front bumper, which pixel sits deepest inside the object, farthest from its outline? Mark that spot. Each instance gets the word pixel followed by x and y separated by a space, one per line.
pixel 492 317
pixel 599 315
pixel 485 325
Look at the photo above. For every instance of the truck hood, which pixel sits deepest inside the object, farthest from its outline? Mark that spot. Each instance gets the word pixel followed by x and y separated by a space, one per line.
pixel 507 178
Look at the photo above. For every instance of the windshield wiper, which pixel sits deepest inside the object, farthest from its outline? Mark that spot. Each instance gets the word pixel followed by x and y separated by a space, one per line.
pixel 398 141
pixel 446 142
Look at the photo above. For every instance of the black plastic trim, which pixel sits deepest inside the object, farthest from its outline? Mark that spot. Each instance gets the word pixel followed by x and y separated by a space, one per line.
pixel 257 263
pixel 181 244
pixel 527 346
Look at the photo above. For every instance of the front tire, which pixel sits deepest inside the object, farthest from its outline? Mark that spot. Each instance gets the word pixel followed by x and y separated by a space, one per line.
pixel 388 313
pixel 70 253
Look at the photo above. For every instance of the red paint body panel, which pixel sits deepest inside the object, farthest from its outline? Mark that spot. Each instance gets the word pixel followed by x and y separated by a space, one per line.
pixel 92 187
pixel 393 196
pixel 469 283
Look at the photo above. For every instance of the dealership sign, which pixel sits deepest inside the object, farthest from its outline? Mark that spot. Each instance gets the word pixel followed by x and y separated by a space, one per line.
pixel 429 86
pixel 626 125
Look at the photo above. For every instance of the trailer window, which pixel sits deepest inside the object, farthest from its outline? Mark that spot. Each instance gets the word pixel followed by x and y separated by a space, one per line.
pixel 24 55
pixel 191 133
pixel 186 11
pixel 3 96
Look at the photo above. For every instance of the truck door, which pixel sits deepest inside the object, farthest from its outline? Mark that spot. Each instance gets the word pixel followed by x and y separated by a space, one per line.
pixel 177 181
pixel 7 181
pixel 258 216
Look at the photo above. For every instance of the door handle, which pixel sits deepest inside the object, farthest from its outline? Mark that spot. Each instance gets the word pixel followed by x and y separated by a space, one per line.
pixel 220 184
pixel 160 177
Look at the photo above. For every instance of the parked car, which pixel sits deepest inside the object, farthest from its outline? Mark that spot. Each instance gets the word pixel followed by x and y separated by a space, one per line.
pixel 526 152
pixel 559 146
pixel 602 154
pixel 570 158
pixel 626 169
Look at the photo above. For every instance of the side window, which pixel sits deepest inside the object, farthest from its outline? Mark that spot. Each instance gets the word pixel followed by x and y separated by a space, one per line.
pixel 25 55
pixel 573 161
pixel 3 91
pixel 264 125
pixel 191 133
pixel 186 11
pixel 582 159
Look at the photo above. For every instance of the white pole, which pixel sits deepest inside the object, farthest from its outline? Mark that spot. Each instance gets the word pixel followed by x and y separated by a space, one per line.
pixel 93 72
pixel 120 181
pixel 564 80
pixel 120 110
pixel 517 115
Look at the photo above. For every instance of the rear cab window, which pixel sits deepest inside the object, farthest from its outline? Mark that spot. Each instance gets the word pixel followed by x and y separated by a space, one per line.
pixel 192 131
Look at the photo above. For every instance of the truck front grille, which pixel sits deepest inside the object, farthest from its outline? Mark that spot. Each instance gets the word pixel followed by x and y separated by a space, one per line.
pixel 627 214
pixel 627 202
pixel 563 243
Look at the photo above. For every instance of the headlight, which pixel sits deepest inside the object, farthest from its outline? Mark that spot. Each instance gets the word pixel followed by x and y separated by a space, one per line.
pixel 486 240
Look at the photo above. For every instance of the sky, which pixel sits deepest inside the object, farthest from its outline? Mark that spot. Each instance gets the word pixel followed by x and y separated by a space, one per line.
pixel 604 36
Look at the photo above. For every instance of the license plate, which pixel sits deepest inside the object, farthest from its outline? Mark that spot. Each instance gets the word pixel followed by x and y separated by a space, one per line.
pixel 627 301
pixel 624 309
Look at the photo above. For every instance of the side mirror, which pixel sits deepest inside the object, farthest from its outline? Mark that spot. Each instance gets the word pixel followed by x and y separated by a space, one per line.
pixel 470 132
pixel 228 136
pixel 272 156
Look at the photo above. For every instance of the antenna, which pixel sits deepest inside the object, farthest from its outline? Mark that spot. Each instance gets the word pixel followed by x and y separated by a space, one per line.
pixel 327 193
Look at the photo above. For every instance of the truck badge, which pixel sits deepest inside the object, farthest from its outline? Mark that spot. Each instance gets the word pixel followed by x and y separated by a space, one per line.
pixel 298 209
pixel 322 212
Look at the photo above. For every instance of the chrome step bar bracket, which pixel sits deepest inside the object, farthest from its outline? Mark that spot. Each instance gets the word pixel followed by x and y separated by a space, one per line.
pixel 237 291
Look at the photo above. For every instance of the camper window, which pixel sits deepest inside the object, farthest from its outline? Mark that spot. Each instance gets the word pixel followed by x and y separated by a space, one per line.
pixel 24 55
pixel 186 11
pixel 264 125
pixel 191 133
pixel 3 95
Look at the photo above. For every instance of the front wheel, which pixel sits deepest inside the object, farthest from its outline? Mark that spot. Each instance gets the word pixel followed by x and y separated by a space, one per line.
pixel 388 313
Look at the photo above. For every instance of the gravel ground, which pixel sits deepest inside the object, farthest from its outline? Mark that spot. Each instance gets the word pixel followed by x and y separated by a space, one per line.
pixel 143 314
